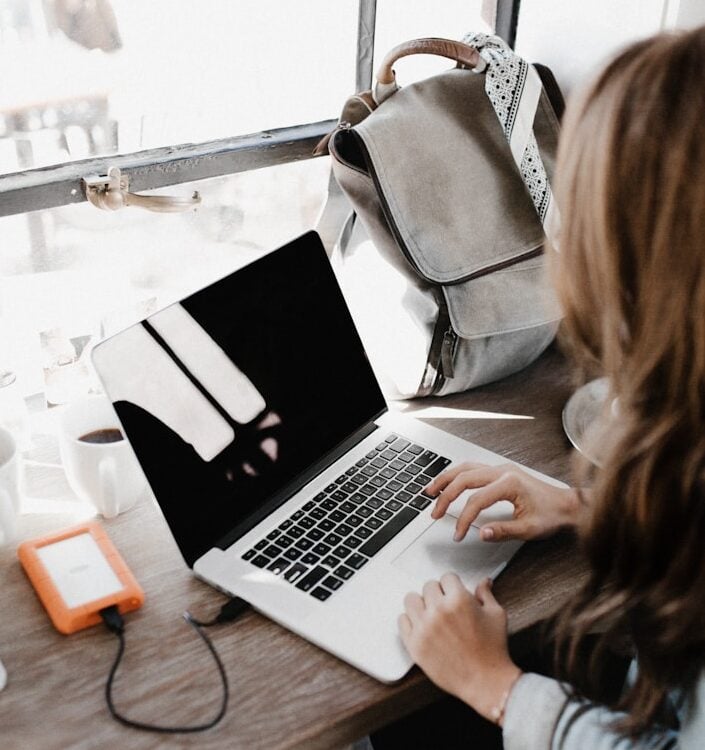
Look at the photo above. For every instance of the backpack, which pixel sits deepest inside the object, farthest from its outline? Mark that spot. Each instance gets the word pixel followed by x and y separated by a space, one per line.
pixel 454 293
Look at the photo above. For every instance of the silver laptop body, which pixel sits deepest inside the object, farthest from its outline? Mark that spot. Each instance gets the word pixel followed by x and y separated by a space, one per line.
pixel 284 478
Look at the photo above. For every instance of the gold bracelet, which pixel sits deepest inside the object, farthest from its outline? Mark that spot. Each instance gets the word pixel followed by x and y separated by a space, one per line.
pixel 497 713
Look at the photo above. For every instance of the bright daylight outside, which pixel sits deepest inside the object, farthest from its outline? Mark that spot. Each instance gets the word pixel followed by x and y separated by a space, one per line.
pixel 91 78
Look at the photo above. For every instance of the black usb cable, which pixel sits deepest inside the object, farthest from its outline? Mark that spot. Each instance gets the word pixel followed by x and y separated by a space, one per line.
pixel 113 620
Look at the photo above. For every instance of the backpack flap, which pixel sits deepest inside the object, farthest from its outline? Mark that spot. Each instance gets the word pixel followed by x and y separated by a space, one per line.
pixel 456 203
pixel 511 299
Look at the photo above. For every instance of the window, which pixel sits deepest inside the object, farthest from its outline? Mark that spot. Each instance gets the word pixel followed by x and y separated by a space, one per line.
pixel 224 98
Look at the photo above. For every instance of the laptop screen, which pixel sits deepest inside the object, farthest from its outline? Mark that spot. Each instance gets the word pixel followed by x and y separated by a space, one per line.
pixel 241 388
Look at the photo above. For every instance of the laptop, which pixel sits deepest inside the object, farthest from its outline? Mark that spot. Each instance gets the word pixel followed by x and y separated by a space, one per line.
pixel 283 476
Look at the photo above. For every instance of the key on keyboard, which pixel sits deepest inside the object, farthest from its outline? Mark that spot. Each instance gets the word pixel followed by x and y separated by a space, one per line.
pixel 335 534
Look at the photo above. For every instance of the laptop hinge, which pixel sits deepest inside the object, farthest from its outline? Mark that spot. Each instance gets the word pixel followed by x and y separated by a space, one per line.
pixel 298 483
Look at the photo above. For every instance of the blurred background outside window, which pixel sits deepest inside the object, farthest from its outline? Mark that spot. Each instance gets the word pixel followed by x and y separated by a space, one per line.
pixel 94 78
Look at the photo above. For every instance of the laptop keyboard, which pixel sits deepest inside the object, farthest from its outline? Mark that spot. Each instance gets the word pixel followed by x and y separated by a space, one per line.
pixel 324 543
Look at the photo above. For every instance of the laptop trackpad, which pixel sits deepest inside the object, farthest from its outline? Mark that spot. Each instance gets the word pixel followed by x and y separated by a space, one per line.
pixel 434 553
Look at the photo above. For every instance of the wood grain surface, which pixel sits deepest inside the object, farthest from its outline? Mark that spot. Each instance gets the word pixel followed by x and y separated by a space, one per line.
pixel 285 693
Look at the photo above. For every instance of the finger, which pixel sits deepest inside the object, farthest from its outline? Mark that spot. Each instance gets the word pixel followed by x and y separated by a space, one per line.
pixel 404 625
pixel 414 605
pixel 447 476
pixel 484 595
pixel 432 593
pixel 470 512
pixel 466 480
pixel 452 585
pixel 506 487
pixel 500 532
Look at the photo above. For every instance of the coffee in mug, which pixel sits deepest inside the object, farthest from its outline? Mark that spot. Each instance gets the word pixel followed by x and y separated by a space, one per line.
pixel 104 435
pixel 99 463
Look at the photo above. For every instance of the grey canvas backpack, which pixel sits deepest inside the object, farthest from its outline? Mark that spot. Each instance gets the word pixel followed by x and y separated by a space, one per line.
pixel 453 294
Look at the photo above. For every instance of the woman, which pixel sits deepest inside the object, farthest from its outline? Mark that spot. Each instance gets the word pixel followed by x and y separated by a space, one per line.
pixel 631 277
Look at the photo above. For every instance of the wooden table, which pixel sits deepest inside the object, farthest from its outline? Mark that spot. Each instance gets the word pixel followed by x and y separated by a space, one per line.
pixel 285 693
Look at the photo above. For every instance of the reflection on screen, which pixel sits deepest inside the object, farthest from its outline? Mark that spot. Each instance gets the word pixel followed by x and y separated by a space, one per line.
pixel 234 392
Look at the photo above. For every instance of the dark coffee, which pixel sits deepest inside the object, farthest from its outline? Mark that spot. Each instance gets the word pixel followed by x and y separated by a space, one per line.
pixel 106 435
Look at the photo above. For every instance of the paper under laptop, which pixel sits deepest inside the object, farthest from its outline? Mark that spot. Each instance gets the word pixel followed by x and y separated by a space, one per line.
pixel 284 479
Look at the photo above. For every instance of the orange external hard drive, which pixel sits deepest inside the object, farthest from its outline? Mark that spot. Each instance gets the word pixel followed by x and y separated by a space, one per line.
pixel 76 573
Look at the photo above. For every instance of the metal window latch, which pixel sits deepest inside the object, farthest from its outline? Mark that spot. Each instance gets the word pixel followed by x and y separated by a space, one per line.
pixel 112 192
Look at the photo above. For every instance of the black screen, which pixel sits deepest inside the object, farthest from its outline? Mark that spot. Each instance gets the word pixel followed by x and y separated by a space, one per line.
pixel 284 323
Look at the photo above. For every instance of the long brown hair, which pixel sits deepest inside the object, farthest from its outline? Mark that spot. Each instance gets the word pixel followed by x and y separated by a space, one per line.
pixel 630 272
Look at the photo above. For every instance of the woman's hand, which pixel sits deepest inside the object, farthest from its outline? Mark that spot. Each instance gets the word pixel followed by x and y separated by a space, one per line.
pixel 540 509
pixel 460 641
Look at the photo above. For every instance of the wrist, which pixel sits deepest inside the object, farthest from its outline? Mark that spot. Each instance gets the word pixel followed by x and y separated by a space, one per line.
pixel 497 713
pixel 571 509
pixel 490 694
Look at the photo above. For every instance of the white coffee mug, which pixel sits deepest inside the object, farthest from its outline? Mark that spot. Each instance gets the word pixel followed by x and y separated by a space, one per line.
pixel 106 474
pixel 9 486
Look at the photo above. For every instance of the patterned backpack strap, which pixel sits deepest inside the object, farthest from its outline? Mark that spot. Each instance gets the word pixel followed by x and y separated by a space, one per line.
pixel 514 87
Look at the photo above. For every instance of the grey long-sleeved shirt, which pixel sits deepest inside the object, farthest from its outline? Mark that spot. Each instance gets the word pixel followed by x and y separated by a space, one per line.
pixel 538 712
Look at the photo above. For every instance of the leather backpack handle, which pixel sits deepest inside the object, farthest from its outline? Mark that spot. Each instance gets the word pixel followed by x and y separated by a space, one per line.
pixel 467 56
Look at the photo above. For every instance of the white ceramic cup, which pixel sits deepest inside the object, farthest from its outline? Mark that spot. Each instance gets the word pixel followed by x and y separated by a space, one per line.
pixel 105 474
pixel 9 486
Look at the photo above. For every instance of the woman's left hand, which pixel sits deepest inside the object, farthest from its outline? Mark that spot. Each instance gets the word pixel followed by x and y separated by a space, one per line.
pixel 459 639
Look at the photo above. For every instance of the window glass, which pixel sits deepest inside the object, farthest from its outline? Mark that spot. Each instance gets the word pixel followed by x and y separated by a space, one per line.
pixel 95 77
pixel 399 21
pixel 70 275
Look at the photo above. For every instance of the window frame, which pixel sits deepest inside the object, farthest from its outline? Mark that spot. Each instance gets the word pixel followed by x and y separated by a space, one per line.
pixel 61 184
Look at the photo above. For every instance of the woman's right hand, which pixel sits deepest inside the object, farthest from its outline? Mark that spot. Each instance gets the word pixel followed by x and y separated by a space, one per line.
pixel 540 509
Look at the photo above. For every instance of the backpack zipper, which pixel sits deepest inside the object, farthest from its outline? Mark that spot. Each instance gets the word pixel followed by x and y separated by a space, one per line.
pixel 450 338
pixel 441 373
pixel 439 362
pixel 344 125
